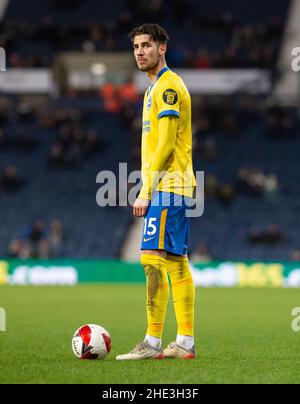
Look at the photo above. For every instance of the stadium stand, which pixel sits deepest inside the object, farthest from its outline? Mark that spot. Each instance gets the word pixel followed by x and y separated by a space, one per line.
pixel 55 147
pixel 211 36
pixel 225 225
pixel 66 192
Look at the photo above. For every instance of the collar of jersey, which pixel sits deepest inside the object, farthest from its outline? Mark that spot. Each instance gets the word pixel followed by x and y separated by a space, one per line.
pixel 157 78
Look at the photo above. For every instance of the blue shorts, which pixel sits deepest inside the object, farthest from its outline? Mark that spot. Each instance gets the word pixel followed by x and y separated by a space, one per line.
pixel 166 226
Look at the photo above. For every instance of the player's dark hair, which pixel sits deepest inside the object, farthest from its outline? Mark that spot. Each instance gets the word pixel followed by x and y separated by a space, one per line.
pixel 157 33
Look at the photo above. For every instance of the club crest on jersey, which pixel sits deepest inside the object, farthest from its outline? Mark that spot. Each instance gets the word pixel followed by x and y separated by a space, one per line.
pixel 149 103
pixel 170 97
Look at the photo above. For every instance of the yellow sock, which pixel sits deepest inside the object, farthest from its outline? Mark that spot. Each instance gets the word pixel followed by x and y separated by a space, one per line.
pixel 183 293
pixel 157 292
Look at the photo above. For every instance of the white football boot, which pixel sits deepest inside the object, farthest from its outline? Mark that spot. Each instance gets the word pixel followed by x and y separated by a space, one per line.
pixel 174 350
pixel 142 351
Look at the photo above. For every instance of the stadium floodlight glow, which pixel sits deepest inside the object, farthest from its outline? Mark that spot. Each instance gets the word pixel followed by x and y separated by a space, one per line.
pixel 98 69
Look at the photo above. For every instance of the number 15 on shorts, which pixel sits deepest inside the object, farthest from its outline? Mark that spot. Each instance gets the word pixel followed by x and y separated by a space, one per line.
pixel 150 228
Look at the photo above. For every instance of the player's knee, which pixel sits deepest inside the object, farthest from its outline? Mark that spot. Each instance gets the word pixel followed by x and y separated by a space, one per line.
pixel 152 254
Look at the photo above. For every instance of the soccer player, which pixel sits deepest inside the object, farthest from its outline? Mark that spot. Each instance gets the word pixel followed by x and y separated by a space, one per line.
pixel 168 182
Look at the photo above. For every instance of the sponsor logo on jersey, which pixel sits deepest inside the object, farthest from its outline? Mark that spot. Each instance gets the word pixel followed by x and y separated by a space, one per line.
pixel 146 126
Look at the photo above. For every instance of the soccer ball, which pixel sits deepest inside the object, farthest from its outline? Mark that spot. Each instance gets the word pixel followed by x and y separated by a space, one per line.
pixel 91 342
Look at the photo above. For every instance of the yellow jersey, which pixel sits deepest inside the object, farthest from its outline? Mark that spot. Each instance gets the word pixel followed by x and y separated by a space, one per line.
pixel 168 97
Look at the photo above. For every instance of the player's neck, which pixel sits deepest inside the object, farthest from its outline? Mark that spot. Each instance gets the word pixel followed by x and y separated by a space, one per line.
pixel 152 74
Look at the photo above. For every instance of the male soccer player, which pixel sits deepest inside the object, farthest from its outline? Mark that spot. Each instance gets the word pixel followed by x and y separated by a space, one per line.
pixel 168 181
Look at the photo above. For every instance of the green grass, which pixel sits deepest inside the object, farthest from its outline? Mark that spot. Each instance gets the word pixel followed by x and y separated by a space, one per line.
pixel 242 336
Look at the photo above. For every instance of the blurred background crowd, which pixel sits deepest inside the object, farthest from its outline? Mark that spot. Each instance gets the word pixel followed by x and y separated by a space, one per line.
pixel 53 146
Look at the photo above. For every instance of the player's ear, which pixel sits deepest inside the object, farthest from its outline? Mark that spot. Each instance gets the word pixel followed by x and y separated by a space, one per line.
pixel 163 49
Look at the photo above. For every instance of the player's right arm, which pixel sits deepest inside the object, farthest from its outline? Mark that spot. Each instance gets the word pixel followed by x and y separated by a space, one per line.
pixel 167 139
pixel 167 130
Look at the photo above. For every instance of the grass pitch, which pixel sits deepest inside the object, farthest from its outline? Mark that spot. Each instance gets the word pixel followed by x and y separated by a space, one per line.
pixel 242 336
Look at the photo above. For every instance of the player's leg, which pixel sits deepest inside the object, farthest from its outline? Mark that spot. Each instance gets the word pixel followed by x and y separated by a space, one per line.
pixel 184 301
pixel 183 287
pixel 153 260
pixel 157 286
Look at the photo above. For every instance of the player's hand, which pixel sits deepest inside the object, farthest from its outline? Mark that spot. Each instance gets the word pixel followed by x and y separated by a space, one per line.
pixel 140 207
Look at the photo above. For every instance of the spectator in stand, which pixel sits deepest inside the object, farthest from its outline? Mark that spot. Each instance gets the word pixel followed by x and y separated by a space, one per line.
pixel 10 181
pixel 274 235
pixel 280 123
pixel 20 249
pixel 271 236
pixel 273 129
pixel 24 112
pixel 230 125
pixel 73 143
pixel 14 248
pixel 226 194
pixel 211 186
pixel 5 143
pixel 5 108
pixel 271 188
pixel 73 156
pixel 93 143
pixel 208 148
pixel 128 93
pixel 202 59
pixel 112 102
pixel 288 127
pixel 26 251
pixel 203 126
pixel 38 242
pixel 56 158
pixel 33 237
pixel 294 256
pixel 44 249
pixel 201 254
pixel 250 182
pixel 56 237
pixel 37 232
pixel 230 59
pixel 253 182
pixel 251 45
pixel 24 142
pixel 125 21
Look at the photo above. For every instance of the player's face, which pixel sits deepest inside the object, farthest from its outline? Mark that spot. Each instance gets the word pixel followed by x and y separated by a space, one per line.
pixel 147 52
